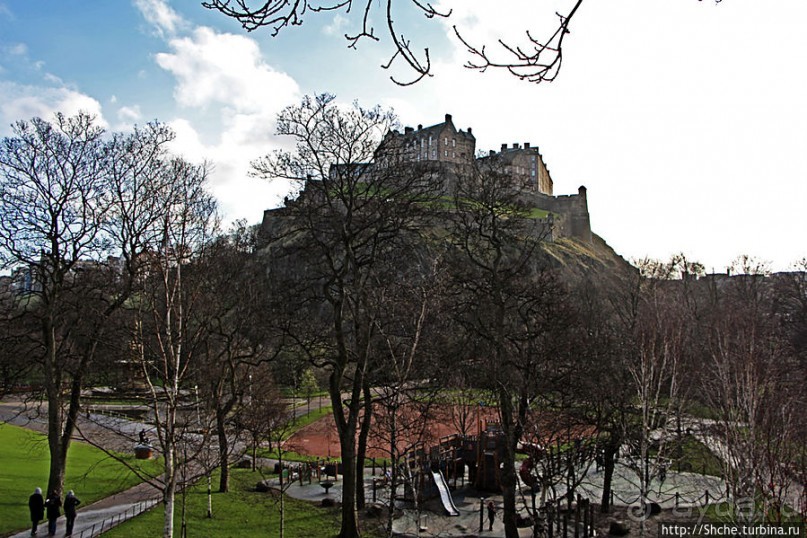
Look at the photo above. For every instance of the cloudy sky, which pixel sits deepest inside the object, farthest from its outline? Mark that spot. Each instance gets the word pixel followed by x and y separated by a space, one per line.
pixel 685 119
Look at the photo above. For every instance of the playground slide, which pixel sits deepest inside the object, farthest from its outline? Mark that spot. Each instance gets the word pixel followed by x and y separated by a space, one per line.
pixel 445 495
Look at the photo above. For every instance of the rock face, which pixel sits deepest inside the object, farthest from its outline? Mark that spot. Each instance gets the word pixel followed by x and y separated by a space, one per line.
pixel 618 528
pixel 264 486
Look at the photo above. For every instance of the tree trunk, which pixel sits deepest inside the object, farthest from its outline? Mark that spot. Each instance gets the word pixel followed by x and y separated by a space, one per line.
pixel 54 395
pixel 361 452
pixel 224 454
pixel 507 476
pixel 169 493
pixel 350 526
pixel 609 464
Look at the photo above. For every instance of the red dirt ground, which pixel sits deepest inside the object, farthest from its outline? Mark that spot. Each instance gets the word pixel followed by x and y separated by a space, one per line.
pixel 424 425
pixel 414 425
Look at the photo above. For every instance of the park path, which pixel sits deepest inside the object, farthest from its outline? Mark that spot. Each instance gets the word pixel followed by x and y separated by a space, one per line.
pixel 112 433
pixel 108 512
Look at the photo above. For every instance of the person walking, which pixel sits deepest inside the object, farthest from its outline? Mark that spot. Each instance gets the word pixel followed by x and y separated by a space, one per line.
pixel 53 505
pixel 71 502
pixel 36 505
pixel 491 514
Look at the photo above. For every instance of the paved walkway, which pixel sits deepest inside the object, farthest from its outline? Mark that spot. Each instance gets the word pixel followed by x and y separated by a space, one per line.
pixel 113 433
pixel 104 514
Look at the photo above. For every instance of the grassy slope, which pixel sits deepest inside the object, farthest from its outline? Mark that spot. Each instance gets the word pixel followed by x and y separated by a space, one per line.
pixel 24 456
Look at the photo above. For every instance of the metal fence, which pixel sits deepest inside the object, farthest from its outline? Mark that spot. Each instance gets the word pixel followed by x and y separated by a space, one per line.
pixel 98 529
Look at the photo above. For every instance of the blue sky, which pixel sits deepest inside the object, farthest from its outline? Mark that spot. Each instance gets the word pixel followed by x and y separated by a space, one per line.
pixel 686 120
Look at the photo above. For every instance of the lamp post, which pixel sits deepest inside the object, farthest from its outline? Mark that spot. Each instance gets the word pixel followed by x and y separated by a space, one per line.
pixel 481 514
pixel 198 415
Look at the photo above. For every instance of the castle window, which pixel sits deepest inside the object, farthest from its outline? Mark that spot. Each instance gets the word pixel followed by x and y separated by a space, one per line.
pixel 445 153
pixel 446 141
pixel 430 140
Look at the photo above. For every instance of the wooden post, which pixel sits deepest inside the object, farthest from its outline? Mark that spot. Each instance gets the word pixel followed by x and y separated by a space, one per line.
pixel 565 524
pixel 586 520
pixel 550 520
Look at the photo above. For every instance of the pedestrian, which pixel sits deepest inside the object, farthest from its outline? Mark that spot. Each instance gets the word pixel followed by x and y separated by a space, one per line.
pixel 491 514
pixel 36 505
pixel 71 502
pixel 53 505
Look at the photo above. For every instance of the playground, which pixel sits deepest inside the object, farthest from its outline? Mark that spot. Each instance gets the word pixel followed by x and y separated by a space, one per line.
pixel 446 484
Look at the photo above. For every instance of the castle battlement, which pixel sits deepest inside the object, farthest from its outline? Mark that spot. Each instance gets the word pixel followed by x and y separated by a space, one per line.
pixel 449 154
pixel 445 144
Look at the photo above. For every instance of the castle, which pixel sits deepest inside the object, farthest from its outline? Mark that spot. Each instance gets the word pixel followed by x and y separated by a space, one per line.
pixel 451 152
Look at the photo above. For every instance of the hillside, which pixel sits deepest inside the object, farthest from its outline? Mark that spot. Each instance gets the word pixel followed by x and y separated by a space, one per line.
pixel 578 258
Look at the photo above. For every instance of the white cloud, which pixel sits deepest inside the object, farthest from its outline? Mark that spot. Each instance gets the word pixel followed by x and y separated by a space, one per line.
pixel 336 27
pixel 128 116
pixel 53 79
pixel 18 49
pixel 161 16
pixel 224 76
pixel 22 102
pixel 223 69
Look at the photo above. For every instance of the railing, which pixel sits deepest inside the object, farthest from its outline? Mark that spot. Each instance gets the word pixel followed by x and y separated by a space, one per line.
pixel 98 529
pixel 679 500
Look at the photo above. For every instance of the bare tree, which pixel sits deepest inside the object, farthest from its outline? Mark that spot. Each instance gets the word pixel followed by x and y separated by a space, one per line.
pixel 329 248
pixel 71 200
pixel 753 384
pixel 656 333
pixel 163 330
pixel 504 295
pixel 231 342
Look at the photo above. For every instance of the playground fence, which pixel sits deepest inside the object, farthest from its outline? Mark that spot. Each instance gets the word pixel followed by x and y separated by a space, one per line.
pixel 679 500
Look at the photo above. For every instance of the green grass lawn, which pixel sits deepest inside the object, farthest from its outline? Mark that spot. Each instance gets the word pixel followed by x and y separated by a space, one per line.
pixel 242 512
pixel 696 457
pixel 24 456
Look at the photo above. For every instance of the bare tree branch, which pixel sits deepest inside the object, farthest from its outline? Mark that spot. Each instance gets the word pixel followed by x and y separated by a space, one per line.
pixel 539 62
pixel 279 14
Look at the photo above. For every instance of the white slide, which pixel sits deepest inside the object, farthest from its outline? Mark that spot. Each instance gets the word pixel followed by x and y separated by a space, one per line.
pixel 445 495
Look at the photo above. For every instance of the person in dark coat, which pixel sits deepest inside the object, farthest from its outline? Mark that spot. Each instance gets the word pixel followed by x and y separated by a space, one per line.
pixel 36 505
pixel 71 502
pixel 491 514
pixel 53 505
